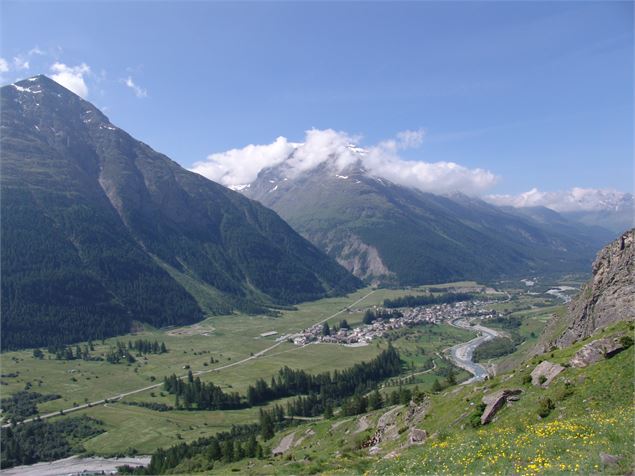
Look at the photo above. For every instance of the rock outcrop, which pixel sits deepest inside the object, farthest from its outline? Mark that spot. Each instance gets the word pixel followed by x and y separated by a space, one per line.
pixel 386 430
pixel 548 371
pixel 609 296
pixel 417 436
pixel 495 402
pixel 597 350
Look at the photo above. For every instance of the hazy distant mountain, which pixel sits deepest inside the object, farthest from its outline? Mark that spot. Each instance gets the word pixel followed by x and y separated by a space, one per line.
pixel 380 230
pixel 617 219
pixel 99 230
pixel 608 209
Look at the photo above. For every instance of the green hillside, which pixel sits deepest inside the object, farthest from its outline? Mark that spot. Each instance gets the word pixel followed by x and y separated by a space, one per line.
pixel 592 414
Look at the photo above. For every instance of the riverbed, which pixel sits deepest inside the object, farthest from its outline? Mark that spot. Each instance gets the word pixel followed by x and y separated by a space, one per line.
pixel 76 466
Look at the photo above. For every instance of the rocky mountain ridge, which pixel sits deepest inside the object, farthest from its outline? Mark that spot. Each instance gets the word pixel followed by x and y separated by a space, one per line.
pixel 610 294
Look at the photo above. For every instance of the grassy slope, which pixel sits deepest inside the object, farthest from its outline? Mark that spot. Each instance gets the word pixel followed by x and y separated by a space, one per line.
pixel 596 417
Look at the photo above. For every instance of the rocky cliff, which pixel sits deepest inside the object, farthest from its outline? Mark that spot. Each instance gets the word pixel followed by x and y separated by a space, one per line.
pixel 609 296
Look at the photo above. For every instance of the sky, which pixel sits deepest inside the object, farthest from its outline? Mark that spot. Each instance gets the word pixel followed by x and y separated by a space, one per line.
pixel 499 98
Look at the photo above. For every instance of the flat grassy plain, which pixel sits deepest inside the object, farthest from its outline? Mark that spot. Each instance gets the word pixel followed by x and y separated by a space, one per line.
pixel 226 339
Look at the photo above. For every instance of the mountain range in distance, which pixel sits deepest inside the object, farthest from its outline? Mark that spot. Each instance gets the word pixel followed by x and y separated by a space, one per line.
pixel 389 233
pixel 99 231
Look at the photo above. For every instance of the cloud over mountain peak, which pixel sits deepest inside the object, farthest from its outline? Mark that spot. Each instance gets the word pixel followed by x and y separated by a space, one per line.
pixel 238 167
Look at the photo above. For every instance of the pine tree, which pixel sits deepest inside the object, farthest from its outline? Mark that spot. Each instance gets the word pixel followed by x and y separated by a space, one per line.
pixel 214 451
pixel 228 451
pixel 451 377
pixel 375 400
pixel 328 410
pixel 251 447
pixel 266 426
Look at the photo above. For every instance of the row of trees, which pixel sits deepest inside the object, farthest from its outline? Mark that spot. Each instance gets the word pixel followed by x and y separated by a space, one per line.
pixel 426 300
pixel 121 351
pixel 327 331
pixel 193 394
pixel 323 389
pixel 372 315
pixel 329 386
pixel 146 346
pixel 200 455
pixel 64 352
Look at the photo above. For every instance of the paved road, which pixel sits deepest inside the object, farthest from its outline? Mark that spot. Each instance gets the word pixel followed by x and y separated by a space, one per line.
pixel 198 372
pixel 461 354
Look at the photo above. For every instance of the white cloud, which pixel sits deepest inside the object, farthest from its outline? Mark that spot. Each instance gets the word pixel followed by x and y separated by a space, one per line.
pixel 138 91
pixel 576 199
pixel 241 166
pixel 4 66
pixel 434 177
pixel 410 139
pixel 36 51
pixel 72 77
pixel 319 146
pixel 20 63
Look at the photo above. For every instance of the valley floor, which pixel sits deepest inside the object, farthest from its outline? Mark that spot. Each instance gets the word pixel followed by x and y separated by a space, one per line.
pixel 233 351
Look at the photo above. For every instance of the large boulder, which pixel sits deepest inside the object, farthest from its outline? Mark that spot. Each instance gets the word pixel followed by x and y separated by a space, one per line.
pixel 495 401
pixel 548 371
pixel 596 351
pixel 417 436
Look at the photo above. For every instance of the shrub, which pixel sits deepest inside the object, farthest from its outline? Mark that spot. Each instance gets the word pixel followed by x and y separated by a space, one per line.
pixel 475 418
pixel 626 341
pixel 545 406
pixel 564 392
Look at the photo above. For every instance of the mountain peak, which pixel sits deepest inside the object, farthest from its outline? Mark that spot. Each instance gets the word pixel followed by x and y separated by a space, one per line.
pixel 37 84
pixel 46 105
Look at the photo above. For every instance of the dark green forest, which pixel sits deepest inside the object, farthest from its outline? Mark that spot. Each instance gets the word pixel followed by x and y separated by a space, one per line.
pixel 97 228
pixel 37 441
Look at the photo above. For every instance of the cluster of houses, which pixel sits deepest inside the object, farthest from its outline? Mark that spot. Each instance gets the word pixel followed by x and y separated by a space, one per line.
pixel 365 333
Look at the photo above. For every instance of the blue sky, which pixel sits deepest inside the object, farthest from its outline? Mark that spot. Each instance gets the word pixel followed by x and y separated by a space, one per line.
pixel 540 94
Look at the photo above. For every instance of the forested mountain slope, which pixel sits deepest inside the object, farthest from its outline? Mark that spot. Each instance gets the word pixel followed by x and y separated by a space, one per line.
pixel 383 231
pixel 98 228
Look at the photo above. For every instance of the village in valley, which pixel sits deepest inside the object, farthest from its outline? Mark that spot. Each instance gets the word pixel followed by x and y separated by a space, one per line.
pixel 405 317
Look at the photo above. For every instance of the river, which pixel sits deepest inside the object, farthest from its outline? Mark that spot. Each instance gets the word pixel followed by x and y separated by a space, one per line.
pixel 462 354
